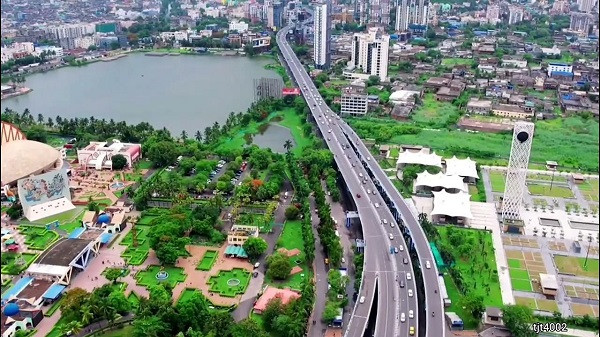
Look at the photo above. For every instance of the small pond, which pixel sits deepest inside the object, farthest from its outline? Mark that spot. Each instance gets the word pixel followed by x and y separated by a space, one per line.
pixel 273 137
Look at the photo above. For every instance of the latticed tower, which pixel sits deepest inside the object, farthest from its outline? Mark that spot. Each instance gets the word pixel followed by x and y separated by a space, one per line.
pixel 517 171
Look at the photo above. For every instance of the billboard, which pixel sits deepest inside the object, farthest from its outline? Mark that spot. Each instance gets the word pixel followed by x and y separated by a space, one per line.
pixel 291 91
pixel 45 187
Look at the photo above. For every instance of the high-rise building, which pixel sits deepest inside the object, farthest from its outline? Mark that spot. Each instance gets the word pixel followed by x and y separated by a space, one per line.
pixel 411 12
pixel 492 14
pixel 515 14
pixel 322 36
pixel 560 7
pixel 586 6
pixel 354 100
pixel 275 15
pixel 581 22
pixel 370 52
pixel 517 171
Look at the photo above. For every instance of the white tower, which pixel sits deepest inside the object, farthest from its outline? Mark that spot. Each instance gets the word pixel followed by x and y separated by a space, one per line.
pixel 322 37
pixel 517 171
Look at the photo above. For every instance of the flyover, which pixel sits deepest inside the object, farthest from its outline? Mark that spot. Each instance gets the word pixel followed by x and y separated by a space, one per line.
pixel 377 200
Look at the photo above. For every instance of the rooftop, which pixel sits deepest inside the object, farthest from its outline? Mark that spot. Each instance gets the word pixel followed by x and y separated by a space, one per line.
pixel 21 158
pixel 63 252
pixel 452 204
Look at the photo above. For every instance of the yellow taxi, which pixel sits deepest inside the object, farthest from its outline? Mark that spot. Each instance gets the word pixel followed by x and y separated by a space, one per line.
pixel 411 331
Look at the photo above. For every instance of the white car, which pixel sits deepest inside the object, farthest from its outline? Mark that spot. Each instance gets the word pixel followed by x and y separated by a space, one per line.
pixel 362 300
pixel 410 293
pixel 401 248
pixel 329 131
pixel 376 205
pixel 427 264
pixel 402 317
pixel 411 314
pixel 408 276
pixel 368 158
pixel 368 191
pixel 391 236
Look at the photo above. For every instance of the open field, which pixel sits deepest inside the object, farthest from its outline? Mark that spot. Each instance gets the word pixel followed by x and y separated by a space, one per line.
pixel 555 191
pixel 291 238
pixel 557 140
pixel 590 189
pixel 435 114
pixel 498 181
pixel 471 268
pixel 455 61
pixel 537 304
pixel 574 265
pixel 187 293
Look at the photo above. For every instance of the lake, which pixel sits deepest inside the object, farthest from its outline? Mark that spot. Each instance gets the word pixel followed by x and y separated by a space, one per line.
pixel 177 92
pixel 273 137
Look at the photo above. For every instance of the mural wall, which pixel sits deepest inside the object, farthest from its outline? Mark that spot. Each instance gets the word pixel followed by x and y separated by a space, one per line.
pixel 44 187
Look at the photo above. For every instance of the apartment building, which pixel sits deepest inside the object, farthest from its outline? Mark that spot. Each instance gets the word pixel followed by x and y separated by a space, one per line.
pixel 370 53
pixel 354 100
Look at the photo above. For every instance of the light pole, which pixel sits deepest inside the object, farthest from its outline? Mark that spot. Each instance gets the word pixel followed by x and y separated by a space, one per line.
pixel 588 252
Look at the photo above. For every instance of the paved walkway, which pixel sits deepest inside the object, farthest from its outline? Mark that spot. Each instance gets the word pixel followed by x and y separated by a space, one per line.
pixel 321 279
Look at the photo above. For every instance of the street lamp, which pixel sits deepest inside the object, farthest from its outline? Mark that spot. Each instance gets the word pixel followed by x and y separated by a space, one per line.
pixel 588 251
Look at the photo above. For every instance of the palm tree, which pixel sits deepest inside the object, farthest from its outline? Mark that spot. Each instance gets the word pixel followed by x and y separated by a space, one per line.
pixel 184 135
pixel 198 136
pixel 71 328
pixel 287 145
pixel 86 315
pixel 40 118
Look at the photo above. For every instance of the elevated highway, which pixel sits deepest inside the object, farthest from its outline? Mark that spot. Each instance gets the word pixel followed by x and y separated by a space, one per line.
pixel 386 221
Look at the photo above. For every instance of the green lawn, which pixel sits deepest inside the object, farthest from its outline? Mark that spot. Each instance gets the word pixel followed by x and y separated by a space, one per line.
pixel 38 237
pixel 134 300
pixel 556 191
pixel 144 164
pixel 573 142
pixel 455 295
pixel 526 301
pixel 208 260
pixel 187 293
pixel 514 263
pixel 148 277
pixel 590 189
pixel 136 255
pixel 471 268
pixel 62 218
pixel 574 265
pixel 230 283
pixel 291 238
pixel 125 331
pixel 498 180
pixel 11 268
pixel 146 219
pixel 293 121
pixel 435 114
pixel 454 61
pixel 545 177
pixel 519 273
pixel 521 285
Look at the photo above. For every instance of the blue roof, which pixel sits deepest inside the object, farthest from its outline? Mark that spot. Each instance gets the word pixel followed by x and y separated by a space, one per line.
pixel 54 291
pixel 562 73
pixel 237 251
pixel 105 237
pixel 17 288
pixel 76 233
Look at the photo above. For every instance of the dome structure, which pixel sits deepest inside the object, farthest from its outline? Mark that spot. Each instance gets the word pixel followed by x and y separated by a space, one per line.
pixel 103 218
pixel 22 158
pixel 11 309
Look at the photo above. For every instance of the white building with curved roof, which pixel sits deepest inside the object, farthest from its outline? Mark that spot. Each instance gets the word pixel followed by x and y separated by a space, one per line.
pixel 427 181
pixel 465 168
pixel 23 158
pixel 422 157
pixel 455 205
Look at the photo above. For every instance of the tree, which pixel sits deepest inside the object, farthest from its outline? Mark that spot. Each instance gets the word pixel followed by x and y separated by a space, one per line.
pixel 37 133
pixel 373 80
pixel 518 319
pixel 118 162
pixel 473 304
pixel 184 135
pixel 247 327
pixel 162 153
pixel 273 309
pixel 254 247
pixel 330 312
pixel 150 326
pixel 288 145
pixel 198 136
pixel 113 274
pixel 292 212
pixel 279 266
